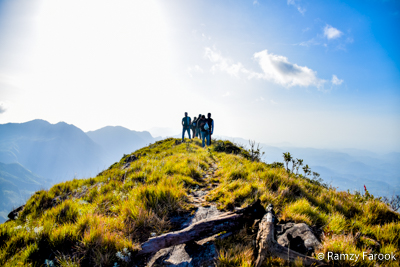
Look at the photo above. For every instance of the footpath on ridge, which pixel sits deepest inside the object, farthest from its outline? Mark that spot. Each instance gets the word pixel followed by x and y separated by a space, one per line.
pixel 200 253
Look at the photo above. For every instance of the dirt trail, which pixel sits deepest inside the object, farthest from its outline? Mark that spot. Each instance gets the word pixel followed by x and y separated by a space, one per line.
pixel 198 197
pixel 199 253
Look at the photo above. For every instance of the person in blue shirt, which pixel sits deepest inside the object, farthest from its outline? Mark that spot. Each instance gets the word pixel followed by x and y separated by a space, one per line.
pixel 186 123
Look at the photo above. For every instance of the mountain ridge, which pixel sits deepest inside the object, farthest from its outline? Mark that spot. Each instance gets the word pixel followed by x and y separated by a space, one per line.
pixel 105 220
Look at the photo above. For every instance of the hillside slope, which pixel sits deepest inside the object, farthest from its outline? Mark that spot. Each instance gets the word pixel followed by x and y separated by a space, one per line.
pixel 102 221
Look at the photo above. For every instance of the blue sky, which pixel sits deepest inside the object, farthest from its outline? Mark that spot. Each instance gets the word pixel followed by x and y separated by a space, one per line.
pixel 310 73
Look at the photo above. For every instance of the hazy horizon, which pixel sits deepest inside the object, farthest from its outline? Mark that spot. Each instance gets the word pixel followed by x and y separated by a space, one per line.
pixel 309 73
pixel 157 132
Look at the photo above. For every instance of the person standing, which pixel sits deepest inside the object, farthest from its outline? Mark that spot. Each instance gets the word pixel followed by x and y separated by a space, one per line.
pixel 202 123
pixel 198 130
pixel 193 126
pixel 210 130
pixel 186 122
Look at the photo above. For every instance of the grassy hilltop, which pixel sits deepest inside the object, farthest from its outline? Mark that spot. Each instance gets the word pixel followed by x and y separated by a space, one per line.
pixel 101 221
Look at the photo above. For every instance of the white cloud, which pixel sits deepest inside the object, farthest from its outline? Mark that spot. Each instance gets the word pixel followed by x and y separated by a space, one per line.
pixel 331 32
pixel 299 8
pixel 279 70
pixel 336 81
pixel 206 36
pixel 310 42
pixel 273 102
pixel 275 68
pixel 226 94
pixel 3 107
pixel 224 64
pixel 196 68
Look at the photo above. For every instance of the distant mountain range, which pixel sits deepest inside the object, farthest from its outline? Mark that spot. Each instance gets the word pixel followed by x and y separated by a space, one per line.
pixel 37 154
pixel 347 169
pixel 16 186
pixel 53 151
pixel 116 141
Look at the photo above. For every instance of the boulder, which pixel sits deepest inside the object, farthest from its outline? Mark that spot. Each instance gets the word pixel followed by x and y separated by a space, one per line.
pixel 14 214
pixel 128 161
pixel 187 255
pixel 298 237
pixel 131 158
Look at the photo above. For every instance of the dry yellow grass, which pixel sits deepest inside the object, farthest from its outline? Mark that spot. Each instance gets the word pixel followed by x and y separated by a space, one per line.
pixel 102 220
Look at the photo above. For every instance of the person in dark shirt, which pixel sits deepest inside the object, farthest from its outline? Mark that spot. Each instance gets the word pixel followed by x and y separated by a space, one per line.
pixel 210 129
pixel 193 127
pixel 186 122
pixel 202 123
pixel 198 131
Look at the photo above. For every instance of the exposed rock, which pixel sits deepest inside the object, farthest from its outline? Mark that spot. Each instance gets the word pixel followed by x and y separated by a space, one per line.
pixel 205 213
pixel 128 161
pixel 131 158
pixel 57 200
pixel 199 253
pixel 178 142
pixel 191 254
pixel 267 246
pixel 14 214
pixel 298 237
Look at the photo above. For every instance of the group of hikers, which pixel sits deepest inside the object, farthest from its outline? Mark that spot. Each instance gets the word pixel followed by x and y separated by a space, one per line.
pixel 201 127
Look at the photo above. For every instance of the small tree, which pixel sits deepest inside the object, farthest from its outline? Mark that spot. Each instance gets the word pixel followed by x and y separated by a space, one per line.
pixel 299 163
pixel 307 170
pixel 294 164
pixel 255 152
pixel 316 175
pixel 393 203
pixel 287 158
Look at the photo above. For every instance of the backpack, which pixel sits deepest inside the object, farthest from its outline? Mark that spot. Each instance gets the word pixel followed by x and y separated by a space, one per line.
pixel 209 123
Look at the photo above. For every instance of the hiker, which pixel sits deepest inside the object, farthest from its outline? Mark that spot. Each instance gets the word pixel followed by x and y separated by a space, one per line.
pixel 210 130
pixel 198 130
pixel 193 126
pixel 202 126
pixel 186 122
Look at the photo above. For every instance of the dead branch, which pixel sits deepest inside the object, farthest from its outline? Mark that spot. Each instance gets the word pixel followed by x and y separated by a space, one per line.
pixel 205 228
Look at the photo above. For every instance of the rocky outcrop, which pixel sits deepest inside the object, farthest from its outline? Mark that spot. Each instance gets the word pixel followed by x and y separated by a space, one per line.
pixel 267 246
pixel 298 237
pixel 191 254
pixel 14 213
pixel 128 161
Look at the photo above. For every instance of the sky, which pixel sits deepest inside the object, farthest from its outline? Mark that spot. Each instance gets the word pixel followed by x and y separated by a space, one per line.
pixel 322 74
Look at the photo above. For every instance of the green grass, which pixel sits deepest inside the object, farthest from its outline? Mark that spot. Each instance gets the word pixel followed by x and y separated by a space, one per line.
pixel 92 222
